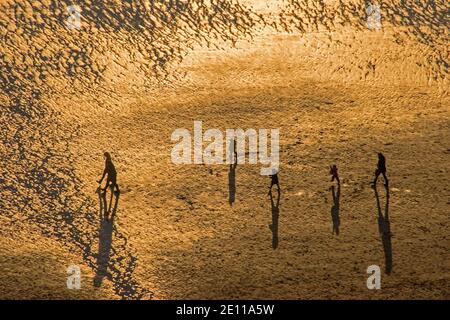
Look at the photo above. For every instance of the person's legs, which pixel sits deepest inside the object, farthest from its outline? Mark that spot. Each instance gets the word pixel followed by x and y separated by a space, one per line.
pixel 377 173
pixel 386 181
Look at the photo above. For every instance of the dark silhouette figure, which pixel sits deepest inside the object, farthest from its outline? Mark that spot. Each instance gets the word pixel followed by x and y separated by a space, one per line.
pixel 381 169
pixel 274 181
pixel 335 209
pixel 334 173
pixel 384 227
pixel 111 181
pixel 275 215
pixel 232 184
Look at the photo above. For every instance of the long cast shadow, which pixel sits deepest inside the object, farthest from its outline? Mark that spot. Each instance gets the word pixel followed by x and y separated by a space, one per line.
pixel 384 227
pixel 275 215
pixel 335 209
pixel 114 210
pixel 105 232
pixel 66 213
pixel 232 184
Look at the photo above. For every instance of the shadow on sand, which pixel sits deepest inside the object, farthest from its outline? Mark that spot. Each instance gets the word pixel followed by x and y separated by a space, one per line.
pixel 335 209
pixel 105 235
pixel 384 227
pixel 275 215
pixel 161 31
pixel 420 21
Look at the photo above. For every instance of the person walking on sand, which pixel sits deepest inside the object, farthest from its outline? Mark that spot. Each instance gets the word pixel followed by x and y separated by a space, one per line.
pixel 110 170
pixel 381 169
pixel 274 181
pixel 334 173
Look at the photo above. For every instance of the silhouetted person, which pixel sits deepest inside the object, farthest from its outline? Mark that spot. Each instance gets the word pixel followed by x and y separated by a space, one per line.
pixel 335 209
pixel 111 172
pixel 274 181
pixel 334 173
pixel 381 169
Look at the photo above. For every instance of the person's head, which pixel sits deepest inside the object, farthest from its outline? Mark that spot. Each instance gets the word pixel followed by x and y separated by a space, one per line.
pixel 107 156
pixel 380 155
